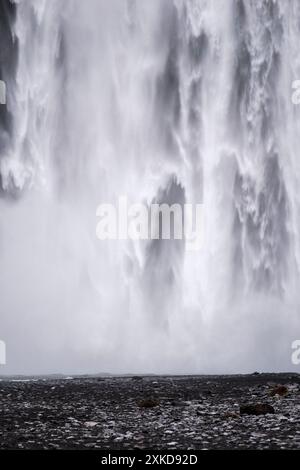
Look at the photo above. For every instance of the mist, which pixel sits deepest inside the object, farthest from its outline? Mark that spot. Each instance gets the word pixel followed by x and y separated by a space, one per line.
pixel 164 101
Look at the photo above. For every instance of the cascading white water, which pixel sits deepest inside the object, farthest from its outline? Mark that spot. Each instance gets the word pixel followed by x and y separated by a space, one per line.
pixel 177 100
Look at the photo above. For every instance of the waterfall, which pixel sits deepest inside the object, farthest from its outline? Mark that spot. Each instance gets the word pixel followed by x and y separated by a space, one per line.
pixel 175 101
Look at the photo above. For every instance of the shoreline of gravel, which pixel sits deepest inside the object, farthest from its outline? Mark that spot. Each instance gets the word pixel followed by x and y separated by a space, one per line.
pixel 151 412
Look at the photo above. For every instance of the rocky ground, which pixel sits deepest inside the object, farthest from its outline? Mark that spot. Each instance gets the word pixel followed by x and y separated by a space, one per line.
pixel 212 412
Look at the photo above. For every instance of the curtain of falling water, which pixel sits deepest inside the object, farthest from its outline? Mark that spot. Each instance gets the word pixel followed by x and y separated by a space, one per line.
pixel 168 101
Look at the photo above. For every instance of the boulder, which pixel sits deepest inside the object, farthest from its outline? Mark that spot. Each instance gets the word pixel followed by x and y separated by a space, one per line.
pixel 257 409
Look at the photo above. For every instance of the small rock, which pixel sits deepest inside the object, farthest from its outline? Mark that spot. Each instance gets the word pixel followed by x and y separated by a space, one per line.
pixel 149 403
pixel 178 403
pixel 280 390
pixel 231 415
pixel 90 424
pixel 257 409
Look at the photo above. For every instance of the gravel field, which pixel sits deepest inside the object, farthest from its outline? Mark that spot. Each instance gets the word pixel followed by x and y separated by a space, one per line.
pixel 259 411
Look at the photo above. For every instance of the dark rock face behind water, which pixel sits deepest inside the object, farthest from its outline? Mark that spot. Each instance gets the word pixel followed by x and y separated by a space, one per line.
pixel 189 413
